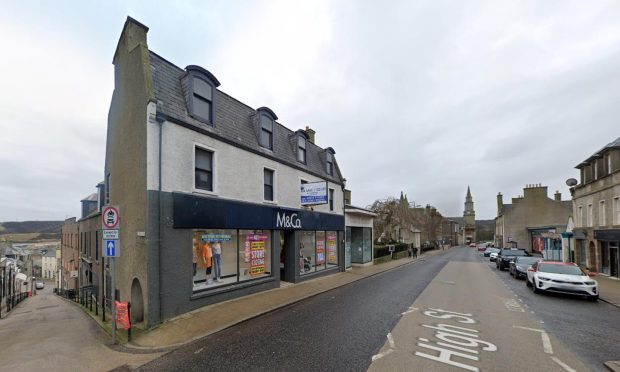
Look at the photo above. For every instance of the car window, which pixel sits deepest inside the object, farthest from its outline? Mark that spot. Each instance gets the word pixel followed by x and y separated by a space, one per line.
pixel 527 260
pixel 560 269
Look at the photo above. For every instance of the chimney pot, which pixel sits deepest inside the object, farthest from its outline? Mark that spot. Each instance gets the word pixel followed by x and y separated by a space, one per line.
pixel 311 134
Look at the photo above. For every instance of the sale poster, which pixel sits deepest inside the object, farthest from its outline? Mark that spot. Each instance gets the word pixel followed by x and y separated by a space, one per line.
pixel 320 252
pixel 332 253
pixel 257 244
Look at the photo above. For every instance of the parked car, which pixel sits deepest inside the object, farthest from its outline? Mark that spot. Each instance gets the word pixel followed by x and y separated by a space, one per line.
pixel 561 277
pixel 493 256
pixel 518 267
pixel 39 285
pixel 488 251
pixel 482 247
pixel 472 245
pixel 505 255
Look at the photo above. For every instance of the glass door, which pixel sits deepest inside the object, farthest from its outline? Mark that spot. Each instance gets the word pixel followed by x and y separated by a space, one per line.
pixel 347 248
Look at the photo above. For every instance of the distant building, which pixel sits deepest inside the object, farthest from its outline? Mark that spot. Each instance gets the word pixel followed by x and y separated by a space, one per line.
pixel 532 221
pixel 70 254
pixel 49 264
pixel 596 208
pixel 469 220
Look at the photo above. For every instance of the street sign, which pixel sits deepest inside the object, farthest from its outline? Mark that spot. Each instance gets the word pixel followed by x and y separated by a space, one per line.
pixel 111 248
pixel 110 217
pixel 110 234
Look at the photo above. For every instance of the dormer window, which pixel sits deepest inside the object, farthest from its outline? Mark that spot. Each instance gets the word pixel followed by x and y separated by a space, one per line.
pixel 202 99
pixel 199 88
pixel 301 149
pixel 266 132
pixel 330 163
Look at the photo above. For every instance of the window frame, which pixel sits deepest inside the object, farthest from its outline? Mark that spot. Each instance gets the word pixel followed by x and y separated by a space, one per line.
pixel 616 210
pixel 590 215
pixel 302 149
pixel 329 160
pixel 330 199
pixel 273 184
pixel 211 102
pixel 196 189
pixel 602 218
pixel 263 118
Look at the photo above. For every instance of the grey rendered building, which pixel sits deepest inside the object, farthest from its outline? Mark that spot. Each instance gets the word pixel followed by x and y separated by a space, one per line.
pixel 209 190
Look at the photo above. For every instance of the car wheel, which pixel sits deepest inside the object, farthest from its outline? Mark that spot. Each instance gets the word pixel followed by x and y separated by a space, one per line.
pixel 527 283
pixel 534 287
pixel 593 298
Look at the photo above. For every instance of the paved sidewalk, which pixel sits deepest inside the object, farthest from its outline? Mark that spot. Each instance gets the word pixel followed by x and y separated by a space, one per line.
pixel 609 289
pixel 210 319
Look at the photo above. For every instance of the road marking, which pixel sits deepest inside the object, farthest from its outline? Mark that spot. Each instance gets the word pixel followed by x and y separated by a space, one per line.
pixel 563 365
pixel 381 355
pixel 391 340
pixel 512 305
pixel 546 343
pixel 199 350
pixel 411 310
pixel 529 329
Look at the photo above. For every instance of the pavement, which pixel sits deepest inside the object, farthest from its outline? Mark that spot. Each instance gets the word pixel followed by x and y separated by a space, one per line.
pixel 609 289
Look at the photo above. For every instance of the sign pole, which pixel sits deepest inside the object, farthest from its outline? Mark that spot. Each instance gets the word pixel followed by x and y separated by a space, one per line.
pixel 113 264
pixel 110 218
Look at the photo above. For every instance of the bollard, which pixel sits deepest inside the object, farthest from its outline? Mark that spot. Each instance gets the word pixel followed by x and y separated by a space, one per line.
pixel 129 316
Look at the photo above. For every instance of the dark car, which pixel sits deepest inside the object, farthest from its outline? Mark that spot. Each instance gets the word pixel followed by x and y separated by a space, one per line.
pixel 506 255
pixel 518 267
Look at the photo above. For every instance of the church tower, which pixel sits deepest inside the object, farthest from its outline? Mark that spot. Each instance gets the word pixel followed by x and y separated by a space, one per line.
pixel 469 220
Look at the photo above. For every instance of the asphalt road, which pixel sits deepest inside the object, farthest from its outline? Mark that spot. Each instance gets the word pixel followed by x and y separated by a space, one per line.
pixel 591 330
pixel 338 330
pixel 383 323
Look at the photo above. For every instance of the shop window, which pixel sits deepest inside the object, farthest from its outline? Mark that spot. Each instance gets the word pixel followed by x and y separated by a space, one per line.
pixel 320 250
pixel 209 270
pixel 204 169
pixel 224 257
pixel 307 252
pixel 332 249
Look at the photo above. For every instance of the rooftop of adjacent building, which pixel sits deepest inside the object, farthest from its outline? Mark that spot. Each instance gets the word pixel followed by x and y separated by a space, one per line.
pixel 597 155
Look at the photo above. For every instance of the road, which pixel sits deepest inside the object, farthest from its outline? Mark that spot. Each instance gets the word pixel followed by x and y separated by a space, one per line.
pixel 452 311
pixel 48 333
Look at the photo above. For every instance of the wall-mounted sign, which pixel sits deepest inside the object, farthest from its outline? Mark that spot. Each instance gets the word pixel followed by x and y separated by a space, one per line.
pixel 288 220
pixel 314 193
pixel 212 238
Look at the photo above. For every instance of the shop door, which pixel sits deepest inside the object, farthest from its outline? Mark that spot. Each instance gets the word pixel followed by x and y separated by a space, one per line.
pixel 347 249
pixel 613 261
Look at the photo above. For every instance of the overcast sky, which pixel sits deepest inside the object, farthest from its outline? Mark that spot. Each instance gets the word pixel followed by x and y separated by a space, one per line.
pixel 426 97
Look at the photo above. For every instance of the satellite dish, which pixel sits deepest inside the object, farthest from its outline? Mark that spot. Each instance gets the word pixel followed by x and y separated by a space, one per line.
pixel 571 182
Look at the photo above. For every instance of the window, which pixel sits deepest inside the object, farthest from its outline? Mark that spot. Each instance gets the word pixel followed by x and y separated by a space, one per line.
pixel 301 149
pixel 580 216
pixel 616 213
pixel 202 99
pixel 107 189
pixel 590 215
pixel 331 199
pixel 266 132
pixel 204 169
pixel 595 166
pixel 601 213
pixel 307 252
pixel 268 184
pixel 330 164
pixel 608 162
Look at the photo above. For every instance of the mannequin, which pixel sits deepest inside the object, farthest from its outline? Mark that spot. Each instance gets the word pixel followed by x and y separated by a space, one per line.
pixel 207 257
pixel 217 261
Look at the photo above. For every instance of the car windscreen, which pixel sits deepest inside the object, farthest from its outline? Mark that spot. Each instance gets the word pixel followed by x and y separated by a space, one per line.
pixel 527 260
pixel 516 252
pixel 560 269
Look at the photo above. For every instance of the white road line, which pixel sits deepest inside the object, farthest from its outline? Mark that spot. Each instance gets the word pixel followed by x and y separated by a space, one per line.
pixel 199 350
pixel 391 340
pixel 566 367
pixel 529 329
pixel 381 355
pixel 411 310
pixel 546 343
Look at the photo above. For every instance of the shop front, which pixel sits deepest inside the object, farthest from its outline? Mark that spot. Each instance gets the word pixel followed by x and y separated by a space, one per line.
pixel 236 244
pixel 609 243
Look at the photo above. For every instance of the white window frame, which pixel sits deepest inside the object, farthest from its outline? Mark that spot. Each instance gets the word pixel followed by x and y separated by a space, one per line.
pixel 601 213
pixel 590 215
pixel 194 189
pixel 616 206
pixel 580 216
pixel 331 203
pixel 274 189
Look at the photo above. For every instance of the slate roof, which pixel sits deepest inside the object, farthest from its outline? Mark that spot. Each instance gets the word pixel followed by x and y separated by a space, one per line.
pixel 235 122
pixel 599 153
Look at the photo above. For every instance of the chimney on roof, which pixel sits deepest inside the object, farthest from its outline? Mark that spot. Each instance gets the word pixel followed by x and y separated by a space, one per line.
pixel 500 203
pixel 558 195
pixel 310 132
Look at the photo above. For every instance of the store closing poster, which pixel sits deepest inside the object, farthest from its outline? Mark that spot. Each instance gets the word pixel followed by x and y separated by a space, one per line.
pixel 256 243
pixel 332 255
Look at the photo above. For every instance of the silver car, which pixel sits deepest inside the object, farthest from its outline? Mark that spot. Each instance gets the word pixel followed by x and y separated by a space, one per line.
pixel 561 277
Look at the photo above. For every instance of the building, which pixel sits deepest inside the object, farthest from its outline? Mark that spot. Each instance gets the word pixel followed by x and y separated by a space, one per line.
pixel 91 263
pixel 532 221
pixel 209 190
pixel 49 264
pixel 358 247
pixel 449 232
pixel 469 220
pixel 596 208
pixel 70 255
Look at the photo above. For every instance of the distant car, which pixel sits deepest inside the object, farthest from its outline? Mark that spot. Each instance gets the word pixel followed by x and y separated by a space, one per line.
pixel 493 256
pixel 482 247
pixel 472 245
pixel 518 267
pixel 39 285
pixel 488 251
pixel 505 255
pixel 561 277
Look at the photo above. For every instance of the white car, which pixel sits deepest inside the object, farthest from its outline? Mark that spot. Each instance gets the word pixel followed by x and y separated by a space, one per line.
pixel 40 285
pixel 561 277
pixel 493 256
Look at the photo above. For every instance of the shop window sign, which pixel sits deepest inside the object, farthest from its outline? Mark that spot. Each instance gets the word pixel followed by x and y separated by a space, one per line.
pixel 289 221
pixel 212 238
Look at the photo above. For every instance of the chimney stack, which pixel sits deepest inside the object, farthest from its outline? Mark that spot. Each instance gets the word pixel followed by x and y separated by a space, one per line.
pixel 310 132
pixel 500 203
pixel 558 196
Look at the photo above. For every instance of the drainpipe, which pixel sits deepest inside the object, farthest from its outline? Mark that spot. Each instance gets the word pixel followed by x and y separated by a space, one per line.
pixel 160 120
